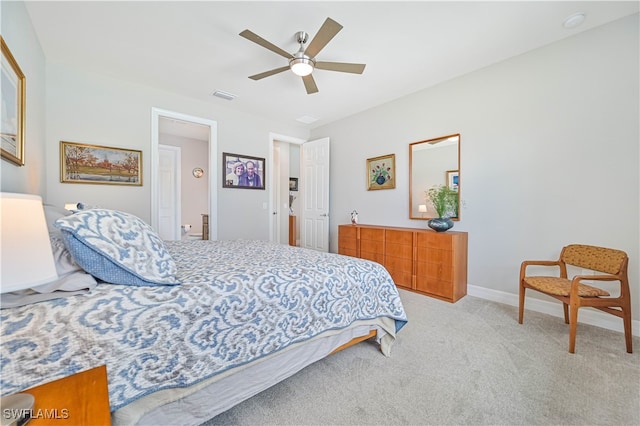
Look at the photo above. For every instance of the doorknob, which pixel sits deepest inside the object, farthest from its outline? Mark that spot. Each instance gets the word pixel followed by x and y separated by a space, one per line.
pixel 275 213
pixel 324 215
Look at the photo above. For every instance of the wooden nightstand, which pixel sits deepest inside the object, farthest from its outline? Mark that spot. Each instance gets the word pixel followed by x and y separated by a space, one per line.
pixel 79 399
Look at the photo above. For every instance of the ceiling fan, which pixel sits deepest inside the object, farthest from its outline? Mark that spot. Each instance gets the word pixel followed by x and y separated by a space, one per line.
pixel 303 62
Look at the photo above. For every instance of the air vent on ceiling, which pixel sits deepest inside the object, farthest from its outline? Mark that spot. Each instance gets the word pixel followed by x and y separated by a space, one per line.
pixel 224 95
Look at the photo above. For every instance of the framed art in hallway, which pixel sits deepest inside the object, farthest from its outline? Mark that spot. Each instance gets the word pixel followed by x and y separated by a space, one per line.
pixel 293 184
pixel 83 163
pixel 453 179
pixel 242 171
pixel 381 172
pixel 13 109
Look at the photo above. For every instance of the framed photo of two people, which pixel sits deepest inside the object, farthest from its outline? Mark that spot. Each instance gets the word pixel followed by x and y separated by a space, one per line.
pixel 242 171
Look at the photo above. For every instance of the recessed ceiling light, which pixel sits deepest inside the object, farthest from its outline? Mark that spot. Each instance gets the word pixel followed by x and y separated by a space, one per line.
pixel 306 119
pixel 574 20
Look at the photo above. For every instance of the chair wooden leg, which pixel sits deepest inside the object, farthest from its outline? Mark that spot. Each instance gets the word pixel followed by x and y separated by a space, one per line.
pixel 565 307
pixel 521 304
pixel 628 337
pixel 573 328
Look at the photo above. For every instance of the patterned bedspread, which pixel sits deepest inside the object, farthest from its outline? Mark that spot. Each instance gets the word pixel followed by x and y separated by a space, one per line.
pixel 238 301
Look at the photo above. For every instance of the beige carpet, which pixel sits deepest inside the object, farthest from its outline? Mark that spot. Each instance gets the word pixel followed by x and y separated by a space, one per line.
pixel 468 363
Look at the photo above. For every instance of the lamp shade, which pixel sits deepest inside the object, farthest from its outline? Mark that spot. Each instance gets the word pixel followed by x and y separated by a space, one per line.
pixel 26 259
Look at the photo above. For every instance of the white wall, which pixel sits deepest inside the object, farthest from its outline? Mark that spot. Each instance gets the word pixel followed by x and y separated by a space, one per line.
pixel 20 37
pixel 549 154
pixel 94 109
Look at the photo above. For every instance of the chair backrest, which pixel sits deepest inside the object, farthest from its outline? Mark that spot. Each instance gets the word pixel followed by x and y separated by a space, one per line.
pixel 594 258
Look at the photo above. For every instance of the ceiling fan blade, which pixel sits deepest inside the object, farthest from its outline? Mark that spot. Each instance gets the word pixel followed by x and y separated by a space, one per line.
pixel 310 84
pixel 341 67
pixel 327 31
pixel 268 73
pixel 264 43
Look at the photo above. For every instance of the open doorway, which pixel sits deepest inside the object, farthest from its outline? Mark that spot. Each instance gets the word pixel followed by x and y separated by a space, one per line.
pixel 172 183
pixel 312 227
pixel 284 227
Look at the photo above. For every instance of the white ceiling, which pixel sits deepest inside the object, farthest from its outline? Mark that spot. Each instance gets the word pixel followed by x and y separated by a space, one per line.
pixel 193 48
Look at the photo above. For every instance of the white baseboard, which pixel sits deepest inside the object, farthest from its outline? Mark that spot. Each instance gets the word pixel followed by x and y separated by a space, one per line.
pixel 585 315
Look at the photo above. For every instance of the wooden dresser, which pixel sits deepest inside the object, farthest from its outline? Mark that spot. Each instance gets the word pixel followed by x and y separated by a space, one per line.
pixel 421 260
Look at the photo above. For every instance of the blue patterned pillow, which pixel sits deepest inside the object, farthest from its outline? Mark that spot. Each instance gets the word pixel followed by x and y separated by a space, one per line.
pixel 117 248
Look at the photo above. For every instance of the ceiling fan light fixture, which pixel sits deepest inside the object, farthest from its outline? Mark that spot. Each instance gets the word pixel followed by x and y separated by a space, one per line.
pixel 301 66
pixel 303 62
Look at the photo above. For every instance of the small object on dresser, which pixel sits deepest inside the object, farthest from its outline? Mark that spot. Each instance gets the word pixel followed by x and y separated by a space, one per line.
pixel 292 198
pixel 354 217
pixel 440 224
pixel 445 203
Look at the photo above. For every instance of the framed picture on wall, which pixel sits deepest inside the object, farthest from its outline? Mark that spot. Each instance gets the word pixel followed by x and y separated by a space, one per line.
pixel 453 179
pixel 381 172
pixel 293 184
pixel 242 171
pixel 83 163
pixel 13 98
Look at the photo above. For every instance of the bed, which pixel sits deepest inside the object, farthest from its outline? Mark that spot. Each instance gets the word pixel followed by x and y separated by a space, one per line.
pixel 189 329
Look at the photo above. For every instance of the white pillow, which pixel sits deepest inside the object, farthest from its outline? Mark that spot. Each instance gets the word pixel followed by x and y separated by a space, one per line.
pixel 51 214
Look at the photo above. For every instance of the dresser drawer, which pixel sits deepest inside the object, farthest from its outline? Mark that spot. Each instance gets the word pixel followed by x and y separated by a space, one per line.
pixel 399 237
pixel 435 255
pixel 438 240
pixel 401 279
pixel 372 234
pixel 435 287
pixel 439 271
pixel 399 250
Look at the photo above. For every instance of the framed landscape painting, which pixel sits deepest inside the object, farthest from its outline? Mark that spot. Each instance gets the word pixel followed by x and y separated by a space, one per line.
pixel 13 98
pixel 82 163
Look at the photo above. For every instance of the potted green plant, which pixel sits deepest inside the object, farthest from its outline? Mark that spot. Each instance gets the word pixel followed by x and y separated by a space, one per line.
pixel 445 203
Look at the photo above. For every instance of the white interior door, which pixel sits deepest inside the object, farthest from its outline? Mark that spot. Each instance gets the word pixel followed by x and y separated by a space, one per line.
pixel 315 195
pixel 169 192
pixel 276 213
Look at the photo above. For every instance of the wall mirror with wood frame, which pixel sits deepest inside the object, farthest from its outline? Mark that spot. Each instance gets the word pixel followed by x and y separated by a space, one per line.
pixel 433 162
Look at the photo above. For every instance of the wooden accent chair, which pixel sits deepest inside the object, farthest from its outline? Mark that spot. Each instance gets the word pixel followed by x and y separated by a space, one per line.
pixel 574 294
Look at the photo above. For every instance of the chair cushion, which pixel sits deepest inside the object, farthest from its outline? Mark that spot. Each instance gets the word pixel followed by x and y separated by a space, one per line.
pixel 595 258
pixel 562 287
